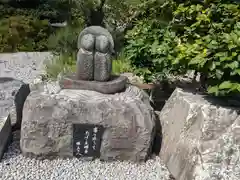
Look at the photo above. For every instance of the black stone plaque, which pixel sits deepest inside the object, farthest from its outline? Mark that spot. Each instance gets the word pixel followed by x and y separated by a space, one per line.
pixel 87 140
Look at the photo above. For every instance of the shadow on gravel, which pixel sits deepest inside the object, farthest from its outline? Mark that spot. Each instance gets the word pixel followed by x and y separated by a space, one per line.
pixel 13 150
pixel 6 79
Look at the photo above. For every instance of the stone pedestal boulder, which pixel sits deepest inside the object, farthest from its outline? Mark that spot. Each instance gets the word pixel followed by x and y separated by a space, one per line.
pixel 201 140
pixel 13 94
pixel 87 124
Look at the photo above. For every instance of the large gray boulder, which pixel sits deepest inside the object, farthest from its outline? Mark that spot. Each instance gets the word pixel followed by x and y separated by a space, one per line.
pixel 50 114
pixel 201 140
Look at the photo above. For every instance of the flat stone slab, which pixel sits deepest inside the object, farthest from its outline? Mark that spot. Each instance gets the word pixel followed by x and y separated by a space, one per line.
pixel 87 124
pixel 12 97
pixel 201 139
pixel 5 134
pixel 24 66
pixel 114 85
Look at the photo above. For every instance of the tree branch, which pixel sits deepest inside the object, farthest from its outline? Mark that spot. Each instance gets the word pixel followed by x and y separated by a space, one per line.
pixel 101 5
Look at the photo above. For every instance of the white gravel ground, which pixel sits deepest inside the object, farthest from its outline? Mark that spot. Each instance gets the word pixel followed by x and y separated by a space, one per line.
pixel 26 67
pixel 16 167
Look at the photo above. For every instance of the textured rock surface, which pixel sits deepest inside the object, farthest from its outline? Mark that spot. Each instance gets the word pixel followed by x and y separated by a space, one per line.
pixel 86 64
pixel 12 97
pixel 94 60
pixel 5 133
pixel 201 141
pixel 25 66
pixel 48 117
pixel 96 31
pixel 133 78
pixel 102 66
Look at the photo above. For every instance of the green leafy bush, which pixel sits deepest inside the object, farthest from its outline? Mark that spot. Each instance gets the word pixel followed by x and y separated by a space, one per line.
pixel 209 43
pixel 25 25
pixel 64 40
pixel 121 65
pixel 203 36
pixel 23 33
pixel 52 10
pixel 147 37
pixel 65 63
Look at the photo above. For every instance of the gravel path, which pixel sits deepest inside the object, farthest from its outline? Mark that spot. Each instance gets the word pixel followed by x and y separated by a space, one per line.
pixel 16 167
pixel 26 67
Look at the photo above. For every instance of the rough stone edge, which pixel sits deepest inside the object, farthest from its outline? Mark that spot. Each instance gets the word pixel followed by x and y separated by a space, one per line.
pixel 109 87
pixel 19 101
pixel 6 128
pixel 200 100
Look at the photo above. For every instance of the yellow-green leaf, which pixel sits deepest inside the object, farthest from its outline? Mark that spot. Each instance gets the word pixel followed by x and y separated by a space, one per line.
pixel 213 90
pixel 225 85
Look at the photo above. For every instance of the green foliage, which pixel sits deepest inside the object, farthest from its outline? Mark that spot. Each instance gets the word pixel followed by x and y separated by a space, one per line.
pixel 64 41
pixel 202 36
pixel 23 33
pixel 209 43
pixel 25 25
pixel 121 65
pixel 67 63
pixel 51 10
pixel 146 47
pixel 60 64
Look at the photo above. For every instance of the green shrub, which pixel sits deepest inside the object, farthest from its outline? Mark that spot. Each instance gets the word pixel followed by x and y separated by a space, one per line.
pixel 121 65
pixel 209 42
pixel 144 40
pixel 23 33
pixel 61 64
pixel 52 10
pixel 64 40
pixel 202 36
pixel 67 63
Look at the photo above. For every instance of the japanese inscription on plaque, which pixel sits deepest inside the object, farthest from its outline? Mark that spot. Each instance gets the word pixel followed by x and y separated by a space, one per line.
pixel 87 140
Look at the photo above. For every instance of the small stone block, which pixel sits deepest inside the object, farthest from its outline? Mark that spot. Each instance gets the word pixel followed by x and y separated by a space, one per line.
pixel 5 134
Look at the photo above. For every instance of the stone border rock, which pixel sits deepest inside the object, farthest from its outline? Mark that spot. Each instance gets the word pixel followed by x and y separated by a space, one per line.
pixel 201 138
pixel 5 134
pixel 13 95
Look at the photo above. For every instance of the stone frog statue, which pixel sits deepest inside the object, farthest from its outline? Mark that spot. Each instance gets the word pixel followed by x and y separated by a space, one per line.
pixel 96 47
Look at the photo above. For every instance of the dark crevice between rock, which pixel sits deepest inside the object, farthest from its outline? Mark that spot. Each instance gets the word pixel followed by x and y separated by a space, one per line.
pixel 19 101
pixel 230 102
pixel 157 141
